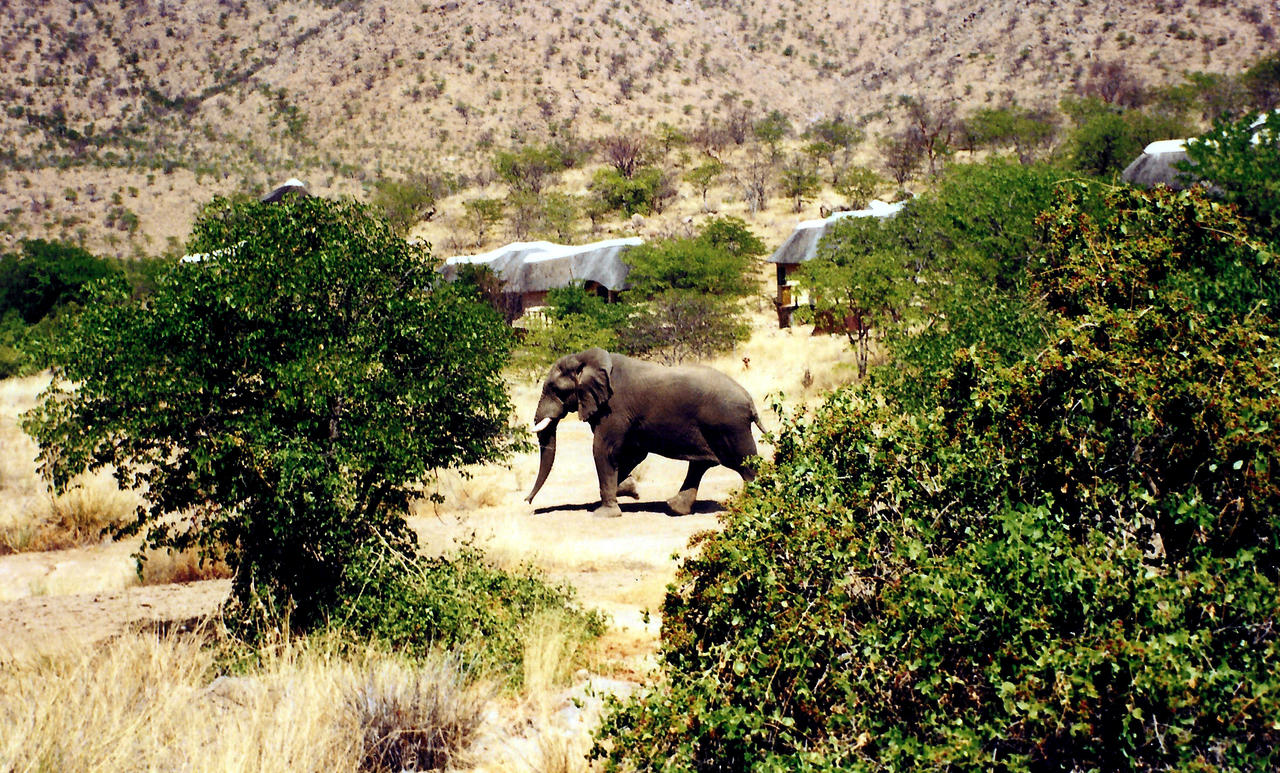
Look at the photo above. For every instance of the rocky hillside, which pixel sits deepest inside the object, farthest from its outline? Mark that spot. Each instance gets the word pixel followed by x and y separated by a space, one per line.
pixel 120 118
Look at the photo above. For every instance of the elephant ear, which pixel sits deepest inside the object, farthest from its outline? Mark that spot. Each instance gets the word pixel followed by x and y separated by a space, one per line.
pixel 593 383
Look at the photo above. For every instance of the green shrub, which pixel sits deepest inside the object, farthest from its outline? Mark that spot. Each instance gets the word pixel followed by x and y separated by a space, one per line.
pixel 288 393
pixel 676 325
pixel 1069 563
pixel 719 261
pixel 1106 138
pixel 47 275
pixel 1242 169
pixel 458 603
pixel 645 192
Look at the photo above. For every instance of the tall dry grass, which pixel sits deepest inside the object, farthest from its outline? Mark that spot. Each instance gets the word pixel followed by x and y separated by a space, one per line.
pixel 148 702
pixel 31 518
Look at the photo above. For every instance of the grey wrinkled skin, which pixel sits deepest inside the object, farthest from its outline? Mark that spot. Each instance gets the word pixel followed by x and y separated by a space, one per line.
pixel 636 408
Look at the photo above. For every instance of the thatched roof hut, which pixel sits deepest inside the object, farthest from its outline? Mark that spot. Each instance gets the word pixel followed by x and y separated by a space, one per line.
pixel 1158 165
pixel 291 187
pixel 802 244
pixel 533 268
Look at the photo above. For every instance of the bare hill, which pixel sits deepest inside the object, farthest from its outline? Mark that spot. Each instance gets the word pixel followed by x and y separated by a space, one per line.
pixel 120 118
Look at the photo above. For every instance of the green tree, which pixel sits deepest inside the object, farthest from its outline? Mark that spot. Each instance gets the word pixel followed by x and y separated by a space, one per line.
pixel 998 127
pixel 481 215
pixel 1107 138
pixel 405 202
pixel 697 265
pixel 772 129
pixel 1262 79
pixel 684 293
pixel 676 325
pixel 704 176
pixel 560 213
pixel 646 191
pixel 46 275
pixel 858 185
pixel 859 283
pixel 1241 161
pixel 530 168
pixel 279 402
pixel 800 180
pixel 830 137
pixel 1068 563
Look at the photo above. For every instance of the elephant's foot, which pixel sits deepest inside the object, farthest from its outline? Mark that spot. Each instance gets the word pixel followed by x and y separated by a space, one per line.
pixel 608 511
pixel 682 503
pixel 627 488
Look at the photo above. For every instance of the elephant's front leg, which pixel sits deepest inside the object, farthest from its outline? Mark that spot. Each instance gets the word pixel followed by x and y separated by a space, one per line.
pixel 606 454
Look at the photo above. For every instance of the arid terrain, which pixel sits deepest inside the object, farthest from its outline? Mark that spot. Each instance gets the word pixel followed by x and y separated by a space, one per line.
pixel 120 120
pixel 71 603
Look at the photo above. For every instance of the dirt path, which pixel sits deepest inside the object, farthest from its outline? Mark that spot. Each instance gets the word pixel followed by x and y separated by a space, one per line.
pixel 618 565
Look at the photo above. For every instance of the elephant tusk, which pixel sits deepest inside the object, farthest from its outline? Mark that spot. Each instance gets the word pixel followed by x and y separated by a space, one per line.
pixel 542 424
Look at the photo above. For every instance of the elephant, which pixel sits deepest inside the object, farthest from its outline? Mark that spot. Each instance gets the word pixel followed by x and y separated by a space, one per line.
pixel 636 408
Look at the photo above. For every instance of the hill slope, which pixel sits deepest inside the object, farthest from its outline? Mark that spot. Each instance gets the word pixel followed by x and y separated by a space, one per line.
pixel 121 118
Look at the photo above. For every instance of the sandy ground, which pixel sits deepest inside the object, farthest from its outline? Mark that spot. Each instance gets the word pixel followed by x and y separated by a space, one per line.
pixel 618 565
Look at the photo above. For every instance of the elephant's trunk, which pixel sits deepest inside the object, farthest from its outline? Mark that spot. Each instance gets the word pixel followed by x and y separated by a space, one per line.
pixel 547 440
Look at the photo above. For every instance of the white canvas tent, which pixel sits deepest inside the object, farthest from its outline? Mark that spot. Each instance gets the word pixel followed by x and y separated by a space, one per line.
pixel 531 269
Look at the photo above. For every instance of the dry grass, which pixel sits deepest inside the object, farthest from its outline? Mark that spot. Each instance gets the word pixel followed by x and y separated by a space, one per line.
pixel 143 702
pixel 163 567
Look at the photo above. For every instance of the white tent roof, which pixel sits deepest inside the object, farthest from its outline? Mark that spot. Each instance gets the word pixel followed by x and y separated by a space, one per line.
pixel 802 244
pixel 539 266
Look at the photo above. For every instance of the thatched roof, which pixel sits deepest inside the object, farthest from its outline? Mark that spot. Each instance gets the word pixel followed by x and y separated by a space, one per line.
pixel 527 267
pixel 291 187
pixel 802 244
pixel 1158 165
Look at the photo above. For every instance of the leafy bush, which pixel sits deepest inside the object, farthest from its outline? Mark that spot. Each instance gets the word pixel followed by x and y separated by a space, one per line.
pixel 1106 138
pixel 404 202
pixel 577 320
pixel 719 261
pixel 40 288
pixel 47 275
pixel 1244 169
pixel 677 325
pixel 458 603
pixel 284 395
pixel 950 271
pixel 646 191
pixel 684 293
pixel 1068 563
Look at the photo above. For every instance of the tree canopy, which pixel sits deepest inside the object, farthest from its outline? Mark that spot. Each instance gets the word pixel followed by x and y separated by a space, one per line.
pixel 278 402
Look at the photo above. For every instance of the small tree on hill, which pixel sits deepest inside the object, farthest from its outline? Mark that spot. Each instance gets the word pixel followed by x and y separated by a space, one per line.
pixel 704 176
pixel 799 180
pixel 278 403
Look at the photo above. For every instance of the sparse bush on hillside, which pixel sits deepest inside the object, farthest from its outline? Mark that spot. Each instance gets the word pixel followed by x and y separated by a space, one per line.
pixel 703 176
pixel 405 202
pixel 858 185
pixel 287 393
pixel 831 138
pixel 647 191
pixel 1027 131
pixel 800 180
pixel 530 168
pixel 901 155
pixel 1068 563
pixel 481 215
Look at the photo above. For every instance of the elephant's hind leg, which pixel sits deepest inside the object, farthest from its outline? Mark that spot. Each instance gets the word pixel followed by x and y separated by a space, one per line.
pixel 628 487
pixel 682 503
